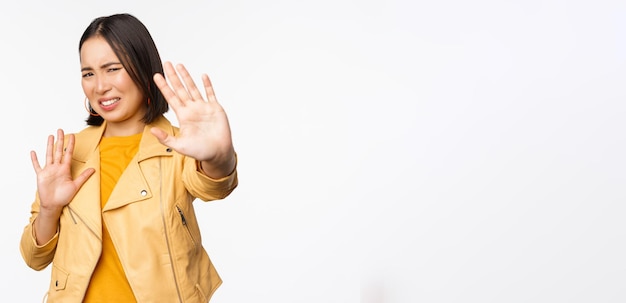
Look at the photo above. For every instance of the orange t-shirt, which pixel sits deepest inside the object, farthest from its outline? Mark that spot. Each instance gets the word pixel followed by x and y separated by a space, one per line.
pixel 108 281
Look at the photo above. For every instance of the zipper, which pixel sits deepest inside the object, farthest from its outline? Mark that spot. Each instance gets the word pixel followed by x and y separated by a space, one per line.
pixel 167 239
pixel 184 222
pixel 71 211
pixel 182 216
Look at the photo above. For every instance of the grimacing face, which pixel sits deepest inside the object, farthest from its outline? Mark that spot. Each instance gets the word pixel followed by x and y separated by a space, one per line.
pixel 111 91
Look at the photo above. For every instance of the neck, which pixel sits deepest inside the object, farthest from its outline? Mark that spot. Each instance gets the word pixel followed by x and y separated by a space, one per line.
pixel 123 129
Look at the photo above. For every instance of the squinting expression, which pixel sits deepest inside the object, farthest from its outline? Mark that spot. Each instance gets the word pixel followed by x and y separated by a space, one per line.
pixel 107 85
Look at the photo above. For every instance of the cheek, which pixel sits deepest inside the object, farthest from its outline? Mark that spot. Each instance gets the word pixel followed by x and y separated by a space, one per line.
pixel 125 83
pixel 132 90
pixel 86 87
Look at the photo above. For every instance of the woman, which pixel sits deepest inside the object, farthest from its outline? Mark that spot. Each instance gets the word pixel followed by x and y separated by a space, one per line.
pixel 113 210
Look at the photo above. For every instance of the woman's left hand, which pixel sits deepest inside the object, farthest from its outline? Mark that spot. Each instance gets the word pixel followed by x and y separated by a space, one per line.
pixel 204 129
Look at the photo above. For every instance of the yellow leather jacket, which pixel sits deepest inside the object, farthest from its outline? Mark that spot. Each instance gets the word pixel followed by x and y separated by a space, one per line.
pixel 150 217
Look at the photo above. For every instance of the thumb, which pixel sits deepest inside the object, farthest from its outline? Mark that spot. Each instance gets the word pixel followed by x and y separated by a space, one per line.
pixel 82 178
pixel 162 136
pixel 159 134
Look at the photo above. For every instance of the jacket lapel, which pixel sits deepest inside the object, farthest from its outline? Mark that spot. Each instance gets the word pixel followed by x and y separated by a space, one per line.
pixel 132 186
pixel 86 203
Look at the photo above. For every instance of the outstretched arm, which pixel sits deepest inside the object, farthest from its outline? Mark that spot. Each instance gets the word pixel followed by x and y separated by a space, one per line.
pixel 204 128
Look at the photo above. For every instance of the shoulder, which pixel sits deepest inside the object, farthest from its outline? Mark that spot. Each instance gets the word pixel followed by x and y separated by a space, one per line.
pixel 85 141
pixel 89 135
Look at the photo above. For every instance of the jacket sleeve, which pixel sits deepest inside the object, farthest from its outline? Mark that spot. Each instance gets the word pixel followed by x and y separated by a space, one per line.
pixel 204 187
pixel 36 256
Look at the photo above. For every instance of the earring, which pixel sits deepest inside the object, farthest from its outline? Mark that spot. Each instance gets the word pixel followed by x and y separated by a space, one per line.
pixel 89 109
pixel 149 89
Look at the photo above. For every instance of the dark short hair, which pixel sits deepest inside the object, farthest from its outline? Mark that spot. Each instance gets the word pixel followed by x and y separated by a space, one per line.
pixel 133 45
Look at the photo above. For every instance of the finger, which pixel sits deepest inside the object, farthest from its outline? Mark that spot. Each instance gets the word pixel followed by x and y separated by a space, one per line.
pixel 192 89
pixel 82 178
pixel 177 85
pixel 208 87
pixel 167 92
pixel 69 150
pixel 58 154
pixel 163 137
pixel 35 161
pixel 49 149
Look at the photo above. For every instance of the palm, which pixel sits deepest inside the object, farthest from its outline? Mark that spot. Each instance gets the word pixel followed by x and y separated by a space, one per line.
pixel 204 129
pixel 55 185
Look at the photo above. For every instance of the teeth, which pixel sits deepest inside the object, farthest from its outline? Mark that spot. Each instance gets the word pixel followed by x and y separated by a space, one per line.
pixel 109 102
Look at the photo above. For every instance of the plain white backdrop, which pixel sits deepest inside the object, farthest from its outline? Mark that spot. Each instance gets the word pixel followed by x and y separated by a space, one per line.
pixel 390 151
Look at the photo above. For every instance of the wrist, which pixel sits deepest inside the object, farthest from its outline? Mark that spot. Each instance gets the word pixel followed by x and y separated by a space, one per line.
pixel 50 212
pixel 218 168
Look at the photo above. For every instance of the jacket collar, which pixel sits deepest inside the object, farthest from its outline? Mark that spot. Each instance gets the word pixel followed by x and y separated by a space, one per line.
pixel 86 203
pixel 88 140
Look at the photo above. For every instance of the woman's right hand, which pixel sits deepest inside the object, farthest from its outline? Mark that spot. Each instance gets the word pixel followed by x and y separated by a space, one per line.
pixel 55 185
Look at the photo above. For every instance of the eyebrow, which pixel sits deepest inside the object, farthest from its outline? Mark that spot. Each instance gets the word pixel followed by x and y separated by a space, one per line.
pixel 102 66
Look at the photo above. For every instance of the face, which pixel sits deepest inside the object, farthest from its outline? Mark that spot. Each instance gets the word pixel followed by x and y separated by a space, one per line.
pixel 109 88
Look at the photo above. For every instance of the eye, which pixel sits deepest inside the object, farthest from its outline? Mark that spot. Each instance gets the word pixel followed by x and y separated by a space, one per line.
pixel 113 69
pixel 88 74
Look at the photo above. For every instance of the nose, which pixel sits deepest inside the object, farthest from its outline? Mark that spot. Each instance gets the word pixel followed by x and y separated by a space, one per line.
pixel 102 85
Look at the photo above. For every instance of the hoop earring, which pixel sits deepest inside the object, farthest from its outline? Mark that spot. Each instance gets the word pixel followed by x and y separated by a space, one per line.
pixel 89 109
pixel 149 90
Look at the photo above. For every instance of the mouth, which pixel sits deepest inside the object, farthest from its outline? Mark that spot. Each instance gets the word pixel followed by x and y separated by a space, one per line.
pixel 109 102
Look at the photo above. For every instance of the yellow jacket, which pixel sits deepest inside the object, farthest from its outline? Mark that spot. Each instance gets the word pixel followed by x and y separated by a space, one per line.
pixel 150 217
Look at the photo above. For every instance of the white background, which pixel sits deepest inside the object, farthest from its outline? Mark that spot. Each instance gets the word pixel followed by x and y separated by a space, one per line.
pixel 390 151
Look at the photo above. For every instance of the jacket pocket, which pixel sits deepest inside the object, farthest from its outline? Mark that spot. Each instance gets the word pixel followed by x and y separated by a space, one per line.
pixel 59 278
pixel 185 224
